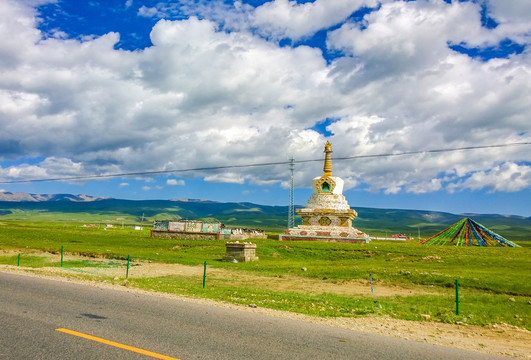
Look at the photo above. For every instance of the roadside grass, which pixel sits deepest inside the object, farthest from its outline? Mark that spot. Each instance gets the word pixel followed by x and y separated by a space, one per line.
pixel 476 308
pixel 495 282
pixel 30 261
pixel 38 261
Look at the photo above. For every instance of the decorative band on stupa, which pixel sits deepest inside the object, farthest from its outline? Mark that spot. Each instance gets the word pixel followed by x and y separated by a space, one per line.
pixel 327 215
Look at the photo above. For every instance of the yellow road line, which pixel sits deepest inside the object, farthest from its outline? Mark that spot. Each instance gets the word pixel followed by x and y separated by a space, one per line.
pixel 118 345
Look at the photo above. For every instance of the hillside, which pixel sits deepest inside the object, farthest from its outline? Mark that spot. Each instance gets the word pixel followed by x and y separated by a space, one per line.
pixel 20 196
pixel 83 208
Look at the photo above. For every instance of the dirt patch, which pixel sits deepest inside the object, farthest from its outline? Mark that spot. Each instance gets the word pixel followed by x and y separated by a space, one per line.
pixel 281 283
pixel 502 339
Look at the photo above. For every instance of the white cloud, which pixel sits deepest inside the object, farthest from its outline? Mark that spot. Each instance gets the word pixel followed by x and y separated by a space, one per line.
pixel 288 19
pixel 48 168
pixel 146 188
pixel 425 187
pixel 510 11
pixel 202 97
pixel 394 189
pixel 145 11
pixel 228 177
pixel 36 2
pixel 124 184
pixel 513 18
pixel 509 177
pixel 175 182
pixel 403 36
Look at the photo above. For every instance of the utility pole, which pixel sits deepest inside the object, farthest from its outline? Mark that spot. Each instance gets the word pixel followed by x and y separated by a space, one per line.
pixel 291 211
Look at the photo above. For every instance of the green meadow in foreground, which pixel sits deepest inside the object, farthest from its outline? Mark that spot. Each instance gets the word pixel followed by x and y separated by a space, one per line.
pixel 495 283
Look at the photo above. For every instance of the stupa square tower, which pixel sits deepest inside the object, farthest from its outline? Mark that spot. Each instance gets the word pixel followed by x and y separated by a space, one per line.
pixel 327 216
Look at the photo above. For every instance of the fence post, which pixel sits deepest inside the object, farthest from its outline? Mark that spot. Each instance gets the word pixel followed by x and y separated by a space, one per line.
pixel 18 264
pixel 456 296
pixel 370 278
pixel 62 249
pixel 204 275
pixel 128 261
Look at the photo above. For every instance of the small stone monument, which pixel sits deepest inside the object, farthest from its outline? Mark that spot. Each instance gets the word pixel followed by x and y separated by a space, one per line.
pixel 241 252
pixel 327 216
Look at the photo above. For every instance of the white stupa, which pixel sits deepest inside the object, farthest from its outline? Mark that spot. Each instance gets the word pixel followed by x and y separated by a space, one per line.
pixel 327 216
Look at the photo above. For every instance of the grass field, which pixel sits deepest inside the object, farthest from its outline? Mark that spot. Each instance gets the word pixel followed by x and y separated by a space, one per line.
pixel 306 277
pixel 373 221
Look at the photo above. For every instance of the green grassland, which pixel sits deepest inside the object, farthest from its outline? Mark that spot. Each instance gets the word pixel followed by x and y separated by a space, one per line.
pixel 375 222
pixel 495 282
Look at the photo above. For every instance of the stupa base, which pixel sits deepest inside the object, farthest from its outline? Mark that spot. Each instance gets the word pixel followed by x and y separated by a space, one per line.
pixel 327 234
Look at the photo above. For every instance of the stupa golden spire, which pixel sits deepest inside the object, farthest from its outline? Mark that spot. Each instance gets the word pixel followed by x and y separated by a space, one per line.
pixel 327 168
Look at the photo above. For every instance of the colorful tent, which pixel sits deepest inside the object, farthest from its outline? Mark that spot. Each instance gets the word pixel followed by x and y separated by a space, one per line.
pixel 467 232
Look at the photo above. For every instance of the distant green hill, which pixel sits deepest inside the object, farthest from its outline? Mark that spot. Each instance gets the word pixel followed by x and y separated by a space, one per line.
pixel 409 222
pixel 376 222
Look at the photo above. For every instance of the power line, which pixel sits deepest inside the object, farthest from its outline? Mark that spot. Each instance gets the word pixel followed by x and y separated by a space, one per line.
pixel 160 172
pixel 291 212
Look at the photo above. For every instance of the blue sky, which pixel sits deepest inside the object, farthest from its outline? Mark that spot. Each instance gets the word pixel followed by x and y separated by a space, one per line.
pixel 126 86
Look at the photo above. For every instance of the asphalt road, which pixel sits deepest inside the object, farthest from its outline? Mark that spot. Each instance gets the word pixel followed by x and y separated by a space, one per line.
pixel 32 309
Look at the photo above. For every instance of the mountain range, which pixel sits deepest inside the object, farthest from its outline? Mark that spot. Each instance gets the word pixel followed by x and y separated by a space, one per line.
pixel 374 221
pixel 21 196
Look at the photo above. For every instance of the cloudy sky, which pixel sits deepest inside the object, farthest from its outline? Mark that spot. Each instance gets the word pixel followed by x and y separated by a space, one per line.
pixel 102 87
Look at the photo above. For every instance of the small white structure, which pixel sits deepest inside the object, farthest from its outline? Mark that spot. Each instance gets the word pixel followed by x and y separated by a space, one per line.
pixel 241 252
